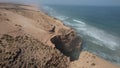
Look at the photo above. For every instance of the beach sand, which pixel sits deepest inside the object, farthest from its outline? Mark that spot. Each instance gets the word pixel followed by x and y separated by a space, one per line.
pixel 89 60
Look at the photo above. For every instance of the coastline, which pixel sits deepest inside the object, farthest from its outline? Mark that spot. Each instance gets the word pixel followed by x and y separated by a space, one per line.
pixel 26 20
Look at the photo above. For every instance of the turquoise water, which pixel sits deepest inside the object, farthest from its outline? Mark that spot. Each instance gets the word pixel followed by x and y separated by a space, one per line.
pixel 98 26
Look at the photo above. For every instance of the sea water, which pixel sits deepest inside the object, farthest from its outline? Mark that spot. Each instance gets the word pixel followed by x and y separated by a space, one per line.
pixel 98 26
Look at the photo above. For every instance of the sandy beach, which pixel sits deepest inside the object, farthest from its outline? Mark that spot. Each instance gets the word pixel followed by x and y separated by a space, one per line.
pixel 26 20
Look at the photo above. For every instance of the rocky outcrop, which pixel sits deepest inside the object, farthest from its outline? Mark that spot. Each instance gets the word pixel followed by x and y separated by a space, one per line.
pixel 68 43
pixel 27 52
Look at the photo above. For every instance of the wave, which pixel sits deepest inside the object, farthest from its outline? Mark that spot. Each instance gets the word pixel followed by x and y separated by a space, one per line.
pixel 80 22
pixel 98 36
pixel 103 39
pixel 60 17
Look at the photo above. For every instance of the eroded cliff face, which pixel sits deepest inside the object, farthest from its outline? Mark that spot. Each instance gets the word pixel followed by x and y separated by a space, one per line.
pixel 68 43
pixel 27 52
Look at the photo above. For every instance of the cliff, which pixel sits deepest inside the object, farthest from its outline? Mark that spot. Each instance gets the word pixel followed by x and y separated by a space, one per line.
pixel 30 38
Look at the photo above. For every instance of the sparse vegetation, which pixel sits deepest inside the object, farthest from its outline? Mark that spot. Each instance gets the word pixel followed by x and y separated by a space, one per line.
pixel 26 52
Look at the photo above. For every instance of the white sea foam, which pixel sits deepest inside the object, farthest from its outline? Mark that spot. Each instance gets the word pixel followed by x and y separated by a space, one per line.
pixel 60 17
pixel 80 22
pixel 101 37
pixel 108 40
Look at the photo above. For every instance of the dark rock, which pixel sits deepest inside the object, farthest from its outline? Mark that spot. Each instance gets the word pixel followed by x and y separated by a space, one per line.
pixel 93 64
pixel 53 29
pixel 68 43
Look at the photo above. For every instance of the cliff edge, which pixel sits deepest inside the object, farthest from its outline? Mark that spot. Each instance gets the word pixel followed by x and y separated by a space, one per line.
pixel 31 38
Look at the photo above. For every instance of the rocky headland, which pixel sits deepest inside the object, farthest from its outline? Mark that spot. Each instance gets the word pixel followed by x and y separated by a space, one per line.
pixel 29 38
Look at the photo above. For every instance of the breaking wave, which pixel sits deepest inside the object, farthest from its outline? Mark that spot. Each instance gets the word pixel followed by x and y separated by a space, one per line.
pixel 99 36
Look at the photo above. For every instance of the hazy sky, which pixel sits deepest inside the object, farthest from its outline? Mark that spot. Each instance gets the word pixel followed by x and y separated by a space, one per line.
pixel 72 2
pixel 83 2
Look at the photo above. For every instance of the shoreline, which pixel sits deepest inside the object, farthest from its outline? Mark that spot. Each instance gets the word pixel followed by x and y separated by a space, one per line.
pixel 40 28
pixel 110 64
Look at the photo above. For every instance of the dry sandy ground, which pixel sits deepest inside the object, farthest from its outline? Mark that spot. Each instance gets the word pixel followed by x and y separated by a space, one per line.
pixel 89 60
pixel 22 19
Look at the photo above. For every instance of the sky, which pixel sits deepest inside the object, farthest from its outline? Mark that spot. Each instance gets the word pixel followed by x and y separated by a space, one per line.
pixel 70 2
pixel 84 2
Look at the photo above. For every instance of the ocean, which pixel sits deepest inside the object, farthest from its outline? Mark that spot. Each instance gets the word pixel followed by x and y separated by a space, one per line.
pixel 98 26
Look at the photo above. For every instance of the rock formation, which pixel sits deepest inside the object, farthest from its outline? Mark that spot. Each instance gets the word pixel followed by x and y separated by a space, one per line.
pixel 68 43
